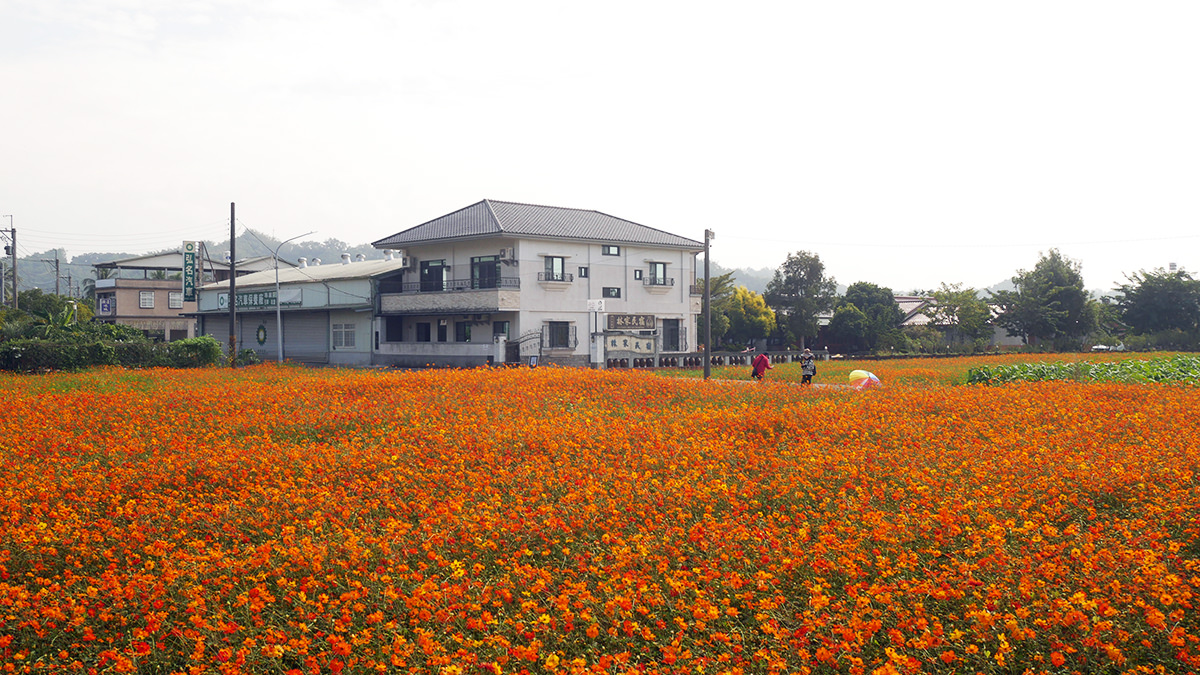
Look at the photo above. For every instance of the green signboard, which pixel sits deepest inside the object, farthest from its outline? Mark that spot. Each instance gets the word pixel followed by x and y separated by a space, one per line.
pixel 190 270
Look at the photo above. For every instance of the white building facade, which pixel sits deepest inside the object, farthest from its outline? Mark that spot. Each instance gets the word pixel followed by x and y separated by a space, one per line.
pixel 507 282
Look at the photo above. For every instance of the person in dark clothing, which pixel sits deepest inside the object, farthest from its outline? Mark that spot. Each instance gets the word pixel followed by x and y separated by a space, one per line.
pixel 808 366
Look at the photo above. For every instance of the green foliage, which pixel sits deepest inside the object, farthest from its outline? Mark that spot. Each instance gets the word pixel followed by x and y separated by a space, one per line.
pixel 1180 368
pixel 961 311
pixel 878 304
pixel 721 291
pixel 1164 340
pixel 1049 302
pixel 799 292
pixel 37 355
pixel 1160 301
pixel 246 357
pixel 196 352
pixel 849 327
pixel 749 317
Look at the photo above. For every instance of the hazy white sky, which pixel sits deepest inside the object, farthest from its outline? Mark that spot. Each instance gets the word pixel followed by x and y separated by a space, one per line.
pixel 906 143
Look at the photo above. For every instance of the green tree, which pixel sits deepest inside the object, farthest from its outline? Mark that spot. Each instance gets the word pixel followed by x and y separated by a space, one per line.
pixel 721 290
pixel 849 327
pixel 961 311
pixel 1156 301
pixel 1048 303
pixel 878 304
pixel 749 317
pixel 800 292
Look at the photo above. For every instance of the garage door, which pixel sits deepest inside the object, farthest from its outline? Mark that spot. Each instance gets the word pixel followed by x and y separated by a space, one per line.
pixel 306 336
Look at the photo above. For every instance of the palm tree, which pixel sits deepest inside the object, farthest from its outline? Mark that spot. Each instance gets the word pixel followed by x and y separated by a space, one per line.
pixel 89 285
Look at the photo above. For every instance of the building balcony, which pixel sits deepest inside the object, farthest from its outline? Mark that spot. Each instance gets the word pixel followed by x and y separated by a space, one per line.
pixel 465 296
pixel 658 285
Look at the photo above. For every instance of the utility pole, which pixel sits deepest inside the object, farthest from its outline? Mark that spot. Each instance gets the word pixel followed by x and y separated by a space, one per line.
pixel 708 236
pixel 13 232
pixel 57 274
pixel 232 286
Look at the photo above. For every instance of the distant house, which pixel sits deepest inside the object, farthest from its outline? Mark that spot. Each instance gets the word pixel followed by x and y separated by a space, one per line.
pixel 504 281
pixel 146 292
pixel 913 308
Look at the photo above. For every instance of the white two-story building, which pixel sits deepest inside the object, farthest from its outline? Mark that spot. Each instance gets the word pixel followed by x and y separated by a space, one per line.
pixel 505 281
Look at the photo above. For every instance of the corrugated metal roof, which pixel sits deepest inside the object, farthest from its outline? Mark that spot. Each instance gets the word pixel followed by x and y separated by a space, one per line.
pixel 327 272
pixel 492 218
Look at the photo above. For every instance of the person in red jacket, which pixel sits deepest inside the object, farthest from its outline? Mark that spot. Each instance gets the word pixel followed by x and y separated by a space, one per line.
pixel 760 365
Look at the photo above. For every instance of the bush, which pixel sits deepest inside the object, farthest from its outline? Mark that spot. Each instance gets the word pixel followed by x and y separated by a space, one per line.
pixel 247 357
pixel 33 355
pixel 195 352
pixel 36 355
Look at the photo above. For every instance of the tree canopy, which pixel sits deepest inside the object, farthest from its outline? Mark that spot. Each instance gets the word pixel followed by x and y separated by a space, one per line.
pixel 749 317
pixel 720 289
pixel 799 292
pixel 1160 300
pixel 1048 302
pixel 961 311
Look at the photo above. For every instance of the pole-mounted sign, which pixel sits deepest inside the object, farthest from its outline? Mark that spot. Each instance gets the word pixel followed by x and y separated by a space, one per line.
pixel 190 270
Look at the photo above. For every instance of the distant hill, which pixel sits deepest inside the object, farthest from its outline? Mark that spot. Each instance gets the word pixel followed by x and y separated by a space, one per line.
pixel 753 279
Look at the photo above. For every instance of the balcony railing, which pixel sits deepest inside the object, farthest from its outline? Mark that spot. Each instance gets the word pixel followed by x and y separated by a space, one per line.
pixel 556 276
pixel 658 281
pixel 697 289
pixel 458 285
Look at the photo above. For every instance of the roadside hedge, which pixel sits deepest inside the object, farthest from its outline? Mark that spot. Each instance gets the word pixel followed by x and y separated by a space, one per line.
pixel 33 355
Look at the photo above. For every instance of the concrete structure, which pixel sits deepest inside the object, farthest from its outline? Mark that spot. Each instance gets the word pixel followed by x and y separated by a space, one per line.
pixel 507 282
pixel 146 292
pixel 327 311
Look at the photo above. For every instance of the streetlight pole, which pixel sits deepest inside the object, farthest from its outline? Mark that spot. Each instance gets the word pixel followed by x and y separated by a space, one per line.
pixel 708 236
pixel 278 314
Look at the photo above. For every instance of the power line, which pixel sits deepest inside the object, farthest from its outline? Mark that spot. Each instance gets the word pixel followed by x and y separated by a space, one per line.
pixel 1000 244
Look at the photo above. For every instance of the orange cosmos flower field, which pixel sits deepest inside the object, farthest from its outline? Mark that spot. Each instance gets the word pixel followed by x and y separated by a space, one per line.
pixel 284 520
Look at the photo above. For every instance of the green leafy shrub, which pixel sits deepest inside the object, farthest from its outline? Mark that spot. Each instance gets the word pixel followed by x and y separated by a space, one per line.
pixel 1179 368
pixel 195 352
pixel 247 357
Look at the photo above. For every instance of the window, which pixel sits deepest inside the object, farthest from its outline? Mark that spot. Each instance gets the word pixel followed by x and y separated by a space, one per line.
pixel 555 268
pixel 442 330
pixel 485 271
pixel 558 335
pixel 462 331
pixel 583 272
pixel 611 292
pixel 423 334
pixel 658 274
pixel 433 275
pixel 146 299
pixel 392 325
pixel 609 249
pixel 637 275
pixel 175 300
pixel 499 328
pixel 343 335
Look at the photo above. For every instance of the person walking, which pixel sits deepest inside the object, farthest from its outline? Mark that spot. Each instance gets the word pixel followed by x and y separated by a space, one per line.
pixel 808 366
pixel 760 365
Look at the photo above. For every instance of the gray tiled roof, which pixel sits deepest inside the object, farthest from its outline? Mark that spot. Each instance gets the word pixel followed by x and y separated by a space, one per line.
pixel 493 218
